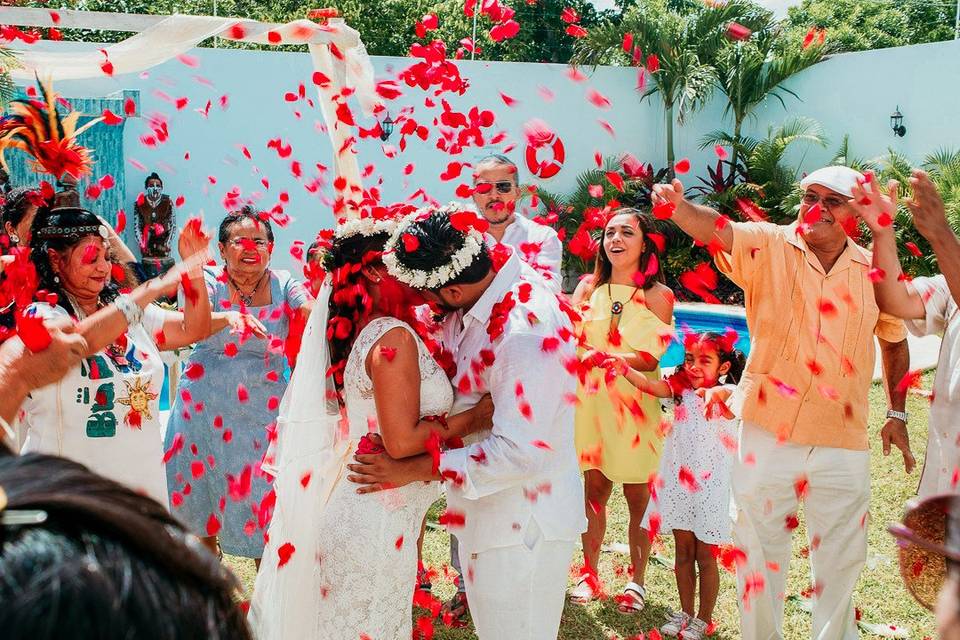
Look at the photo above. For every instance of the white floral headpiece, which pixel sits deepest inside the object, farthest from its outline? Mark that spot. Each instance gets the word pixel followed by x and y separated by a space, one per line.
pixel 473 244
pixel 367 226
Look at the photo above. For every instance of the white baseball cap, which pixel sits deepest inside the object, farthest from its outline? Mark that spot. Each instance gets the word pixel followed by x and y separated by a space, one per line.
pixel 836 178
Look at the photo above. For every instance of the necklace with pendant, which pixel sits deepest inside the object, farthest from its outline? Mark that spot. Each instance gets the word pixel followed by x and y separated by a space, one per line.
pixel 616 307
pixel 245 298
pixel 116 350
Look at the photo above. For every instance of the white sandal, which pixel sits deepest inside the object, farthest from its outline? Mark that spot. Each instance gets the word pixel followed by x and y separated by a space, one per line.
pixel 583 593
pixel 633 599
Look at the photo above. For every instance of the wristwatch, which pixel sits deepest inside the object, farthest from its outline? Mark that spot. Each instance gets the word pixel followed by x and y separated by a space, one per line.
pixel 903 416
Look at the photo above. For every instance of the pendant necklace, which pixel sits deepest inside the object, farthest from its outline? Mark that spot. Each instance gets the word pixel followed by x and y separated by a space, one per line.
pixel 245 298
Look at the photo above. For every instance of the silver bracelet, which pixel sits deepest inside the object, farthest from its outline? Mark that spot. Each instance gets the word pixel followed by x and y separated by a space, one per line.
pixel 130 310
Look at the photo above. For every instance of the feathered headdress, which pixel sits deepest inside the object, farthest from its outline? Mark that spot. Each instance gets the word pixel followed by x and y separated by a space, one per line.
pixel 35 126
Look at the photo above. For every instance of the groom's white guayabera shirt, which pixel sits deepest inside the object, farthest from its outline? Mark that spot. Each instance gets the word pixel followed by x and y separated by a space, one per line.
pixel 524 470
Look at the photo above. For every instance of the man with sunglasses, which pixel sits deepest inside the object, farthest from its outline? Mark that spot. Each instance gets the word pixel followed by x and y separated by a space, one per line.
pixel 496 191
pixel 803 397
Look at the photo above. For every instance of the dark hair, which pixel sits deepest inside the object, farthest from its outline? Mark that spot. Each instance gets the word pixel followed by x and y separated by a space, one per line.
pixel 603 269
pixel 245 213
pixel 499 158
pixel 350 305
pixel 152 176
pixel 437 240
pixel 107 563
pixel 60 229
pixel 727 353
pixel 16 203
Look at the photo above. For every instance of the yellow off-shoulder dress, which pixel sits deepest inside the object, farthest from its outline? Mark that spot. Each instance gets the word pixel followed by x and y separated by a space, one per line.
pixel 618 428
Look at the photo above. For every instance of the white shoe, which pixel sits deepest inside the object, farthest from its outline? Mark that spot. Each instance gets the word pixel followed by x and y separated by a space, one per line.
pixel 676 622
pixel 696 630
pixel 582 593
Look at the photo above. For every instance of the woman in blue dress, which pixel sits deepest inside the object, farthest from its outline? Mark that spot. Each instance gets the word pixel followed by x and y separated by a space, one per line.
pixel 230 390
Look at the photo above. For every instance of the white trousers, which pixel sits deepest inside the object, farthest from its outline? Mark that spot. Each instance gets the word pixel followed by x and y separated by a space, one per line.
pixel 518 592
pixel 765 493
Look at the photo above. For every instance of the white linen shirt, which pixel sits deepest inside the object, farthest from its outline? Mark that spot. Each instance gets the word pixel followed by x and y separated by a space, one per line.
pixel 525 468
pixel 524 233
pixel 942 316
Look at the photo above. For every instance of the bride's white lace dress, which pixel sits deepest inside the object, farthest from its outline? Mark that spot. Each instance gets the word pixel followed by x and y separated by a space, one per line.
pixel 356 573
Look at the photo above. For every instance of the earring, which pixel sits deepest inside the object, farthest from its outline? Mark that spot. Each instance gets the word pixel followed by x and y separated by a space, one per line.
pixel 14 238
pixel 56 278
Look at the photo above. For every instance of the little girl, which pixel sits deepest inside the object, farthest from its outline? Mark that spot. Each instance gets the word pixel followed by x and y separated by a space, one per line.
pixel 695 468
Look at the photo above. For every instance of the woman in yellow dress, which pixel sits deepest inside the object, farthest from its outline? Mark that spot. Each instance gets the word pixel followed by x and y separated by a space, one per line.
pixel 628 311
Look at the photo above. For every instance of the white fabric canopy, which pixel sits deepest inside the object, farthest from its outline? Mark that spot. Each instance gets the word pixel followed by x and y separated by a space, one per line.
pixel 178 34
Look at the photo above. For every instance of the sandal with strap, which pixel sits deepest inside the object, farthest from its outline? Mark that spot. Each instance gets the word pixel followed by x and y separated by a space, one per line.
pixel 583 593
pixel 455 611
pixel 632 600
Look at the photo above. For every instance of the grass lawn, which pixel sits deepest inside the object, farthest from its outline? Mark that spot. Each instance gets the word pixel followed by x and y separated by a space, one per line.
pixel 880 594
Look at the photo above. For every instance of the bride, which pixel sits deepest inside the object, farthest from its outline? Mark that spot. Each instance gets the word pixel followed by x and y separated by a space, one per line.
pixel 339 565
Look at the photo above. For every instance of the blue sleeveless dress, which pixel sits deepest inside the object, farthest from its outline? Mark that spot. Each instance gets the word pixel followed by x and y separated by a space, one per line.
pixel 217 433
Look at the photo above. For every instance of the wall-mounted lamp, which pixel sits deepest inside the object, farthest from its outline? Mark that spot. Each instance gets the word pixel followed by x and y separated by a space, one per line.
pixel 896 123
pixel 386 128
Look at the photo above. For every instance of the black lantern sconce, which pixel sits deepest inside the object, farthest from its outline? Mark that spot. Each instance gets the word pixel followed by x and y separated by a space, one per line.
pixel 896 123
pixel 386 128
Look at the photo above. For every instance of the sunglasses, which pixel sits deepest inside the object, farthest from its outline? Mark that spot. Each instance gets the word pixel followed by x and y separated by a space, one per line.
pixel 830 203
pixel 503 187
pixel 927 547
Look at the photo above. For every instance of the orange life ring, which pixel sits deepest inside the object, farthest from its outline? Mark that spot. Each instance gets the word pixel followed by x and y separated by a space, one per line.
pixel 549 168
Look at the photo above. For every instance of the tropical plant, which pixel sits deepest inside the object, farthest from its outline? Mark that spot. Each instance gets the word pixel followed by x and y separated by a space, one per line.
pixel 755 68
pixel 8 61
pixel 678 46
pixel 761 183
pixel 583 211
pixel 855 25
pixel 916 256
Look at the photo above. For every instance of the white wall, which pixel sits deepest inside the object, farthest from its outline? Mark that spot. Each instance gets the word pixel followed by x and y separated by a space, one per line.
pixel 852 93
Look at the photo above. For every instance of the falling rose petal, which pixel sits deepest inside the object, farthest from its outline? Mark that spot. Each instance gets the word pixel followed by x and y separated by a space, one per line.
pixel 110 118
pixel 576 31
pixel 389 353
pixel 284 553
pixel 507 100
pixel 682 166
pixel 194 371
pixel 914 249
pixel 597 99
pixel 242 394
pixel 575 74
pixel 213 525
pixel 720 151
pixel 398 543
pixel 738 32
pixel 33 333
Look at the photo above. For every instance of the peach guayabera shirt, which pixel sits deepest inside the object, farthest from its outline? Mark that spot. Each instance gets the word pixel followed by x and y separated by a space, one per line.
pixel 811 336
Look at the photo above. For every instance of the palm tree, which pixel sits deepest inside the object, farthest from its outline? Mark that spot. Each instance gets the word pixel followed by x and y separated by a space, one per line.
pixel 685 37
pixel 754 69
pixel 766 179
pixel 8 60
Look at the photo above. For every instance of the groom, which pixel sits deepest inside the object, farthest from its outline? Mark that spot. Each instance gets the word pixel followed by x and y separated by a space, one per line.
pixel 516 489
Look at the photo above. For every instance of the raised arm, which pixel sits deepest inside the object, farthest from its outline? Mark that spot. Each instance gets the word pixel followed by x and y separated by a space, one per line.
pixel 878 210
pixel 103 327
pixel 703 224
pixel 929 216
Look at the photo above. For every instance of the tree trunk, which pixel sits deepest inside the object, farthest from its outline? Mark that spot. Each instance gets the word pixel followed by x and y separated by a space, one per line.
pixel 671 160
pixel 738 123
